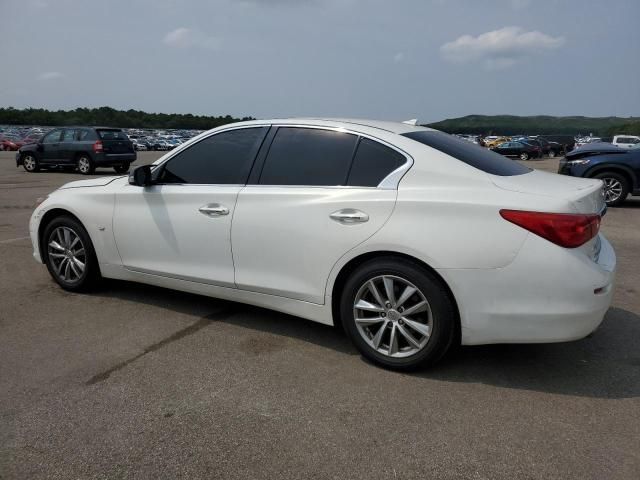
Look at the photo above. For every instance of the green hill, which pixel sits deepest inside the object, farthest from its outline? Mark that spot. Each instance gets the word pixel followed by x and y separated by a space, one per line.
pixel 542 124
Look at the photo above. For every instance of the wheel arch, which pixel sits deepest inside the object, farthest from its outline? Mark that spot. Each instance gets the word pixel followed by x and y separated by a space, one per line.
pixel 348 268
pixel 46 219
pixel 614 168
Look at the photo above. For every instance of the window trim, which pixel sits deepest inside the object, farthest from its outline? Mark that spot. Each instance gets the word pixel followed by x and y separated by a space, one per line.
pixel 157 168
pixel 390 182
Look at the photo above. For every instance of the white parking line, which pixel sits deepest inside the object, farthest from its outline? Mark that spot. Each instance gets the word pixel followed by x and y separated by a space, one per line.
pixel 10 240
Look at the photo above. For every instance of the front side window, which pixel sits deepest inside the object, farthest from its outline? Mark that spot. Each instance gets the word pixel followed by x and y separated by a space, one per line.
pixel 372 163
pixel 224 158
pixel 308 156
pixel 52 137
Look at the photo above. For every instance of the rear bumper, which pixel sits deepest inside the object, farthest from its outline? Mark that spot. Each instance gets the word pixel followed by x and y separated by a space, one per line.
pixel 547 294
pixel 112 159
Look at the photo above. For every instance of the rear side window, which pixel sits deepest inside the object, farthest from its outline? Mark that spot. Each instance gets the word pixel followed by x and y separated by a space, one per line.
pixel 307 156
pixel 224 158
pixel 372 162
pixel 112 135
pixel 69 135
pixel 469 153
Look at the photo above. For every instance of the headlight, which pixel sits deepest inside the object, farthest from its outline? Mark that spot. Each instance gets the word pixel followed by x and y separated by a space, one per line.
pixel 582 161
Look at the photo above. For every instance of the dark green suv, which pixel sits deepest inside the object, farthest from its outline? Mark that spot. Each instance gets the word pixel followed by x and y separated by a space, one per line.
pixel 84 148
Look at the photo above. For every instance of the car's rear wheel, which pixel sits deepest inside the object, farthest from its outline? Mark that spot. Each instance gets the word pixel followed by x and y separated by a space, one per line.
pixel 86 165
pixel 30 163
pixel 398 314
pixel 616 188
pixel 524 156
pixel 552 154
pixel 69 254
pixel 124 168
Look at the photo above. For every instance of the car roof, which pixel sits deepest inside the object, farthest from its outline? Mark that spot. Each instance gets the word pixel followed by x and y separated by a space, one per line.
pixel 347 123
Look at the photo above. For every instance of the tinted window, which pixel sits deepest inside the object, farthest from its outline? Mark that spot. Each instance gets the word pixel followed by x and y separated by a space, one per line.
pixel 469 153
pixel 84 135
pixel 69 135
pixel 224 158
pixel 112 135
pixel 307 156
pixel 52 137
pixel 373 162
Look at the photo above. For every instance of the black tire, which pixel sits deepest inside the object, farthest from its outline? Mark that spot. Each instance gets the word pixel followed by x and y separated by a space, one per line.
pixel 443 317
pixel 90 275
pixel 610 179
pixel 30 163
pixel 524 156
pixel 85 164
pixel 124 168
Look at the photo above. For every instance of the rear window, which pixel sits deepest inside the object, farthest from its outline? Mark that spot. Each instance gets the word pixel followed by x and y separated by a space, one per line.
pixel 469 153
pixel 112 135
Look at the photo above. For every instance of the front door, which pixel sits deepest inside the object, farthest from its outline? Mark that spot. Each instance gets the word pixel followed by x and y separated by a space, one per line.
pixel 180 227
pixel 316 199
pixel 50 147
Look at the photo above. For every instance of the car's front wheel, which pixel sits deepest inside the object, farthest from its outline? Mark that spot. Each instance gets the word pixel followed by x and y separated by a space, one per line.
pixel 398 314
pixel 524 156
pixel 69 254
pixel 616 188
pixel 124 168
pixel 86 165
pixel 30 163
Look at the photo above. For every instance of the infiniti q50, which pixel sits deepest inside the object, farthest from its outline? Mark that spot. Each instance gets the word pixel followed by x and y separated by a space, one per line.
pixel 410 239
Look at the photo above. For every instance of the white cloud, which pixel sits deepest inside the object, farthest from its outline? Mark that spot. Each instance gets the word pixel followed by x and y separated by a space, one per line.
pixel 499 48
pixel 187 38
pixel 50 76
pixel 398 57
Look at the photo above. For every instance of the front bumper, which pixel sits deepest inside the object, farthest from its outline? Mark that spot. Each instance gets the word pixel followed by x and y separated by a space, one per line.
pixel 547 294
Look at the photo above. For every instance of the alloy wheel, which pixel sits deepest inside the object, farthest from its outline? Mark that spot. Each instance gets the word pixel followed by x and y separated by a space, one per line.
pixel 84 165
pixel 393 316
pixel 612 189
pixel 67 254
pixel 29 163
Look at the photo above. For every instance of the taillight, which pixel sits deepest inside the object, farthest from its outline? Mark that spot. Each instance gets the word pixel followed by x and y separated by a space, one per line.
pixel 564 229
pixel 97 147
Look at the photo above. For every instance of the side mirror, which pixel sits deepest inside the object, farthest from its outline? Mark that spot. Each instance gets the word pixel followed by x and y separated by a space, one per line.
pixel 141 176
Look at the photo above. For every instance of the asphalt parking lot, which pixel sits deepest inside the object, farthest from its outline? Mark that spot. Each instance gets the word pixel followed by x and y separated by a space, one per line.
pixel 137 381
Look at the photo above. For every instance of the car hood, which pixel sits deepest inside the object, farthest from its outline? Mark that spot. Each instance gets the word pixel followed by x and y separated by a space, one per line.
pixel 594 148
pixel 91 182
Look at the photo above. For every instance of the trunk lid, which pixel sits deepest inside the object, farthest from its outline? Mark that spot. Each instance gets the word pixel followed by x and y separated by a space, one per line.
pixel 584 194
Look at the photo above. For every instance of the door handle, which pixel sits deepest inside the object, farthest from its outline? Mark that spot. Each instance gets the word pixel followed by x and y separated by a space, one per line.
pixel 348 216
pixel 214 210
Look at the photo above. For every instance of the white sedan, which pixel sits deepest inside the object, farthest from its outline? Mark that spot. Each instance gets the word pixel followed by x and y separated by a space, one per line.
pixel 409 238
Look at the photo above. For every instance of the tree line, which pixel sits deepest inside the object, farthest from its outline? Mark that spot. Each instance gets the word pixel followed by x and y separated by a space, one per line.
pixel 539 125
pixel 107 116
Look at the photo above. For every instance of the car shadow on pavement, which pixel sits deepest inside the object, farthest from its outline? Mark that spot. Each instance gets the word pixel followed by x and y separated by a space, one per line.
pixel 604 365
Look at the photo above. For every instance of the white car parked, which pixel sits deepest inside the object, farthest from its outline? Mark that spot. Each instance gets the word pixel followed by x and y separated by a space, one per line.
pixel 625 141
pixel 409 238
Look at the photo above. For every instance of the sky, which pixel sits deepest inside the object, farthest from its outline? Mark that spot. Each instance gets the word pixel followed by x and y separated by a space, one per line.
pixel 379 59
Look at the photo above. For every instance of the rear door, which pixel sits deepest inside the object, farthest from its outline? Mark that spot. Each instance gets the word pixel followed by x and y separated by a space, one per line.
pixel 68 145
pixel 314 197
